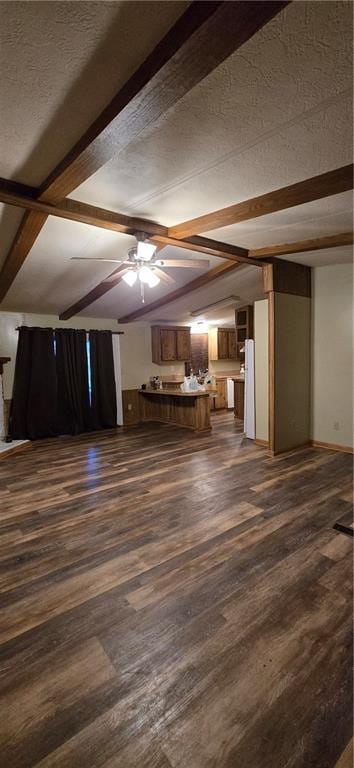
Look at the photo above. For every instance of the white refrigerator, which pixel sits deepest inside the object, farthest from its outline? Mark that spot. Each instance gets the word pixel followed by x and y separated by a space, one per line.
pixel 249 423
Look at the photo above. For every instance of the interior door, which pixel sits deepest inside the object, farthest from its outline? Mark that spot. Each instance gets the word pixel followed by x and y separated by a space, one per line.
pixel 223 346
pixel 183 345
pixel 168 344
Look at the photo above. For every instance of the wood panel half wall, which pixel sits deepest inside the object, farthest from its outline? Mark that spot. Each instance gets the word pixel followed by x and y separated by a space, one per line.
pixel 131 407
pixel 289 291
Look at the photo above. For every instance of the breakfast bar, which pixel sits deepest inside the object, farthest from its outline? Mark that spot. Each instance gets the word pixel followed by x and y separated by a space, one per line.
pixel 185 409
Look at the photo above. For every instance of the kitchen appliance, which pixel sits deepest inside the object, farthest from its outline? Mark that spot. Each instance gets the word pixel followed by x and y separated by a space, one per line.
pixel 249 423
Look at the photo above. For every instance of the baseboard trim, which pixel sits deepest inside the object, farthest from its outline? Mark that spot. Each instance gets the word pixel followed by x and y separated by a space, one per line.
pixel 332 446
pixel 12 449
pixel 291 450
pixel 262 443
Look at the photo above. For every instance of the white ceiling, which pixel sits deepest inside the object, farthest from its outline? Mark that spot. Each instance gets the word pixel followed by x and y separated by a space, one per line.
pixel 245 283
pixel 51 281
pixel 277 111
pixel 61 63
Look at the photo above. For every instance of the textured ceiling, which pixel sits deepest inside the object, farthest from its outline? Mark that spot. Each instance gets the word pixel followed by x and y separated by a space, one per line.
pixel 275 112
pixel 278 111
pixel 321 217
pixel 61 63
pixel 50 282
pixel 245 283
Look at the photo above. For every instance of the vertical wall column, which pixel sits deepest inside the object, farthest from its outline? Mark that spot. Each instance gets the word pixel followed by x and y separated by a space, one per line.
pixel 288 286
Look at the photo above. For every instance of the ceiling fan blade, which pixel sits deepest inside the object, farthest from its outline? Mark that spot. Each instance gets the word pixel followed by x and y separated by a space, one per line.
pixel 163 276
pixel 193 263
pixel 116 276
pixel 104 261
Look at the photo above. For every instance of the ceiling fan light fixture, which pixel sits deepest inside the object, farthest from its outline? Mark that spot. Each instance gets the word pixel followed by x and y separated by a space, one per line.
pixel 145 251
pixel 130 278
pixel 153 280
pixel 147 276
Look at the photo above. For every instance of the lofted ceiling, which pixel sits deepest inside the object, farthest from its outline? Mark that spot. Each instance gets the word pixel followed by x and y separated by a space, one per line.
pixel 275 112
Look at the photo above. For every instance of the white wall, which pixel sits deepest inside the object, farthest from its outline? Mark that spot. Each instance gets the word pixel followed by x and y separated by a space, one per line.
pixel 224 366
pixel 261 368
pixel 135 346
pixel 332 358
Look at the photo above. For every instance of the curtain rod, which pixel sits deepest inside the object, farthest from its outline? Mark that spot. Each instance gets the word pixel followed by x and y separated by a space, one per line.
pixel 40 328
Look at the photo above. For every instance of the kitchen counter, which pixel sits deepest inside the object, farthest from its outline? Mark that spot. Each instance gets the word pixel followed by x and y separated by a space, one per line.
pixel 185 409
pixel 174 392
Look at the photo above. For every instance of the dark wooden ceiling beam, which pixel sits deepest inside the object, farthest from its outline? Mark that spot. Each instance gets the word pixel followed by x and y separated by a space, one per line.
pixel 324 185
pixel 207 246
pixel 99 290
pixel 74 210
pixel 203 37
pixel 301 246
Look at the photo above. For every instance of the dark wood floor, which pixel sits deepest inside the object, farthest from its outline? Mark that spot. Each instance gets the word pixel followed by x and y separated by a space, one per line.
pixel 171 600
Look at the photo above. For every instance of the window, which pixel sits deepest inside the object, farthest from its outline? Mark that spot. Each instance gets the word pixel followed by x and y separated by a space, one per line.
pixel 89 367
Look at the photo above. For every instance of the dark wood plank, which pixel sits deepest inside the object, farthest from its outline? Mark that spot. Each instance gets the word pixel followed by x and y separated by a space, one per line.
pixel 157 586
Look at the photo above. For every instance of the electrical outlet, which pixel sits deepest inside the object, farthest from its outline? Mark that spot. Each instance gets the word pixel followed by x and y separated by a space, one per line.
pixel 130 407
pixel 336 425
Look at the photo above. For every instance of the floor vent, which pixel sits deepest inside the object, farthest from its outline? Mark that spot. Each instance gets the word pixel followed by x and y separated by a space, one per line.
pixel 344 529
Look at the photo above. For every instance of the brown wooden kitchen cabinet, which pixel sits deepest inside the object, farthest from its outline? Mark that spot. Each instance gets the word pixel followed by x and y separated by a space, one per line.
pixel 220 401
pixel 167 345
pixel 222 344
pixel 244 329
pixel 170 344
pixel 239 399
pixel 183 341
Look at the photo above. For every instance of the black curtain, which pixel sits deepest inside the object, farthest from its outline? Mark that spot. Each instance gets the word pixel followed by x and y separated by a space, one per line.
pixel 103 395
pixel 72 376
pixel 34 403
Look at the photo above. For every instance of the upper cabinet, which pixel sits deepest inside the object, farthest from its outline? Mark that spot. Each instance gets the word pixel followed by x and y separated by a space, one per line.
pixel 170 344
pixel 244 329
pixel 183 344
pixel 222 344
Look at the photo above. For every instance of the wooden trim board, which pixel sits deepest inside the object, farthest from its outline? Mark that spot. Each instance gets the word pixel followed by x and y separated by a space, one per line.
pixel 332 446
pixel 12 449
pixel 302 246
pixel 315 188
pixel 262 443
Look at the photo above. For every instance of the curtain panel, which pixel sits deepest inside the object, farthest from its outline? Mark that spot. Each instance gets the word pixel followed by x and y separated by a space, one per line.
pixel 51 394
pixel 103 396
pixel 33 411
pixel 72 376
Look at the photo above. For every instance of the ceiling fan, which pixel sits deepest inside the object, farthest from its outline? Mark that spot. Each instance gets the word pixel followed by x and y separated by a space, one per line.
pixel 143 264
